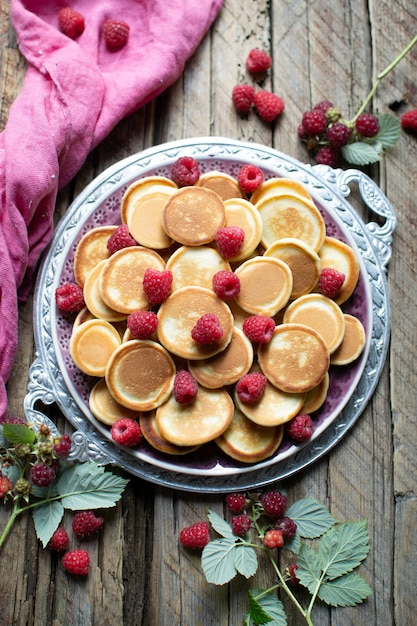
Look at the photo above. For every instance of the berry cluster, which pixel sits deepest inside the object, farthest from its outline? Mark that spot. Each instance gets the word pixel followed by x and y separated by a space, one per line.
pixel 72 24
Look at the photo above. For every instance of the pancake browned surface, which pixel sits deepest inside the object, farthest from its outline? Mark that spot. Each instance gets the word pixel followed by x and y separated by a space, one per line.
pixel 105 408
pixel 296 359
pixel 303 261
pixel 278 186
pixel 274 408
pixel 153 436
pixel 92 344
pixel 242 213
pixel 140 187
pixel 223 184
pixel 94 301
pixel 353 342
pixel 195 265
pixel 341 257
pixel 265 285
pixel 91 249
pixel 144 218
pixel 317 396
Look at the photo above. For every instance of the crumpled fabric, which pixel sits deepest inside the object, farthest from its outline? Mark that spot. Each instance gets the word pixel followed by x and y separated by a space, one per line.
pixel 74 93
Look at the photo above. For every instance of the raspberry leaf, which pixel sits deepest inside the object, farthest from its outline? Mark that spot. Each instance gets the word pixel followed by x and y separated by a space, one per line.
pixel 310 568
pixel 361 153
pixel 89 486
pixel 389 130
pixel 264 608
pixel 246 561
pixel 18 433
pixel 220 525
pixel 47 519
pixel 346 590
pixel 218 561
pixel 344 547
pixel 311 516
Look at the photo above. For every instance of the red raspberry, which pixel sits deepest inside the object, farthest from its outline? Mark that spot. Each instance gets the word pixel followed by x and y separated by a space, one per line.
pixel 251 387
pixel 5 486
pixel 409 120
pixel 338 135
pixel 85 523
pixel 71 23
pixel 259 328
pixel 126 432
pixel 69 297
pixel 258 61
pixel 226 284
pixel 314 122
pixel 241 525
pixel 59 540
pixel 196 536
pixel 157 285
pixel 42 475
pixel 273 539
pixel 207 329
pixel 116 34
pixel 367 125
pixel 121 238
pixel 185 387
pixel 229 241
pixel 249 178
pixel 323 106
pixel 300 428
pixel 293 580
pixel 326 155
pixel 14 419
pixel 142 324
pixel 76 562
pixel 62 446
pixel 274 504
pixel 330 282
pixel 242 98
pixel 185 171
pixel 268 105
pixel 236 502
pixel 287 526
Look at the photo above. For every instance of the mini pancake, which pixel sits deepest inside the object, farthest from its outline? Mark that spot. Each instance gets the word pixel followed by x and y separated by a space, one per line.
pixel 240 212
pixel 193 215
pixel 105 408
pixel 265 285
pixel 140 375
pixel 82 316
pixel 93 299
pixel 204 419
pixel 320 313
pixel 153 436
pixel 226 367
pixel 179 314
pixel 121 279
pixel 353 342
pixel 296 358
pixel 291 216
pixel 248 442
pixel 302 260
pixel 223 184
pixel 279 186
pixel 338 255
pixel 140 187
pixel 316 397
pixel 91 346
pixel 144 218
pixel 195 266
pixel 91 249
pixel 274 408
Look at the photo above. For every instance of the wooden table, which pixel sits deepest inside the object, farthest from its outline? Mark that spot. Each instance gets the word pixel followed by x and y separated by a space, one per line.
pixel 139 573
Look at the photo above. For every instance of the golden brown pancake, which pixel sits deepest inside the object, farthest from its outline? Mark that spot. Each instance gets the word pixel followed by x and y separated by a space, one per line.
pixel 316 397
pixel 92 344
pixel 303 261
pixel 140 187
pixel 195 265
pixel 265 285
pixel 223 184
pixel 274 408
pixel 242 213
pixel 91 249
pixel 279 186
pixel 105 408
pixel 339 256
pixel 92 296
pixel 144 218
pixel 353 342
pixel 153 436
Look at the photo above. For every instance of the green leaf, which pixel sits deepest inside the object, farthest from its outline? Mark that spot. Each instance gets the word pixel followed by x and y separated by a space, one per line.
pixel 47 518
pixel 246 561
pixel 294 544
pixel 361 153
pixel 310 567
pixel 89 486
pixel 18 433
pixel 218 561
pixel 12 472
pixel 311 516
pixel 346 590
pixel 220 525
pixel 265 608
pixel 389 130
pixel 344 547
pixel 3 442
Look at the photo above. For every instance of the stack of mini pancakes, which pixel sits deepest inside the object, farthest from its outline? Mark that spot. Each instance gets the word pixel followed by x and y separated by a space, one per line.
pixel 285 247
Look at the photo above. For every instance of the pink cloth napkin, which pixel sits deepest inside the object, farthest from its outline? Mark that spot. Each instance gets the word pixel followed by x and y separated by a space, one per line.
pixel 74 93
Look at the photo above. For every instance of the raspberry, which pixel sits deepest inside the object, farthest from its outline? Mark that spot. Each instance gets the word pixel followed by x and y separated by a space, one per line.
pixel 42 475
pixel 300 428
pixel 338 135
pixel 293 580
pixel 323 106
pixel 242 98
pixel 71 23
pixel 196 536
pixel 14 419
pixel 409 120
pixel 241 524
pixel 249 178
pixel 268 105
pixel 367 125
pixel 5 486
pixel 287 526
pixel 326 155
pixel 69 297
pixel 251 387
pixel 273 539
pixel 62 446
pixel 121 238
pixel 333 114
pixel 126 432
pixel 274 504
pixel 314 122
pixel 185 171
pixel 59 540
pixel 115 34
pixel 76 562
pixel 85 523
pixel 207 329
pixel 330 282
pixel 142 324
pixel 258 61
pixel 259 328
pixel 226 284
pixel 236 502
pixel 157 285
pixel 185 387
pixel 229 241
pixel 23 487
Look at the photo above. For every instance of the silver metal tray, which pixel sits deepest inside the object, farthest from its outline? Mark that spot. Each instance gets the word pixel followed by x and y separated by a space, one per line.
pixel 55 379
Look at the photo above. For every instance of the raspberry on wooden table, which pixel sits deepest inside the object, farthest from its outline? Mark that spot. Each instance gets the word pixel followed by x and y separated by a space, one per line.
pixel 409 120
pixel 76 562
pixel 241 525
pixel 42 475
pixel 273 539
pixel 287 526
pixel 126 432
pixel 69 297
pixel 185 387
pixel 116 34
pixel 250 387
pixel 326 155
pixel 314 122
pixel 85 523
pixel 259 328
pixel 242 98
pixel 226 284
pixel 59 540
pixel 330 282
pixel 185 171
pixel 121 238
pixel 229 241
pixel 338 135
pixel 71 23
pixel 157 285
pixel 196 536
pixel 258 61
pixel 324 106
pixel 268 105
pixel 142 324
pixel 62 446
pixel 249 178
pixel 367 125
pixel 207 329
pixel 300 428
pixel 274 503
pixel 236 502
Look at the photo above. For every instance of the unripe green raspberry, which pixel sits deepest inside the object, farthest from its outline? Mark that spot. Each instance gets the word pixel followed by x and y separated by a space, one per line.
pixel 45 448
pixel 333 115
pixel 23 487
pixel 22 450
